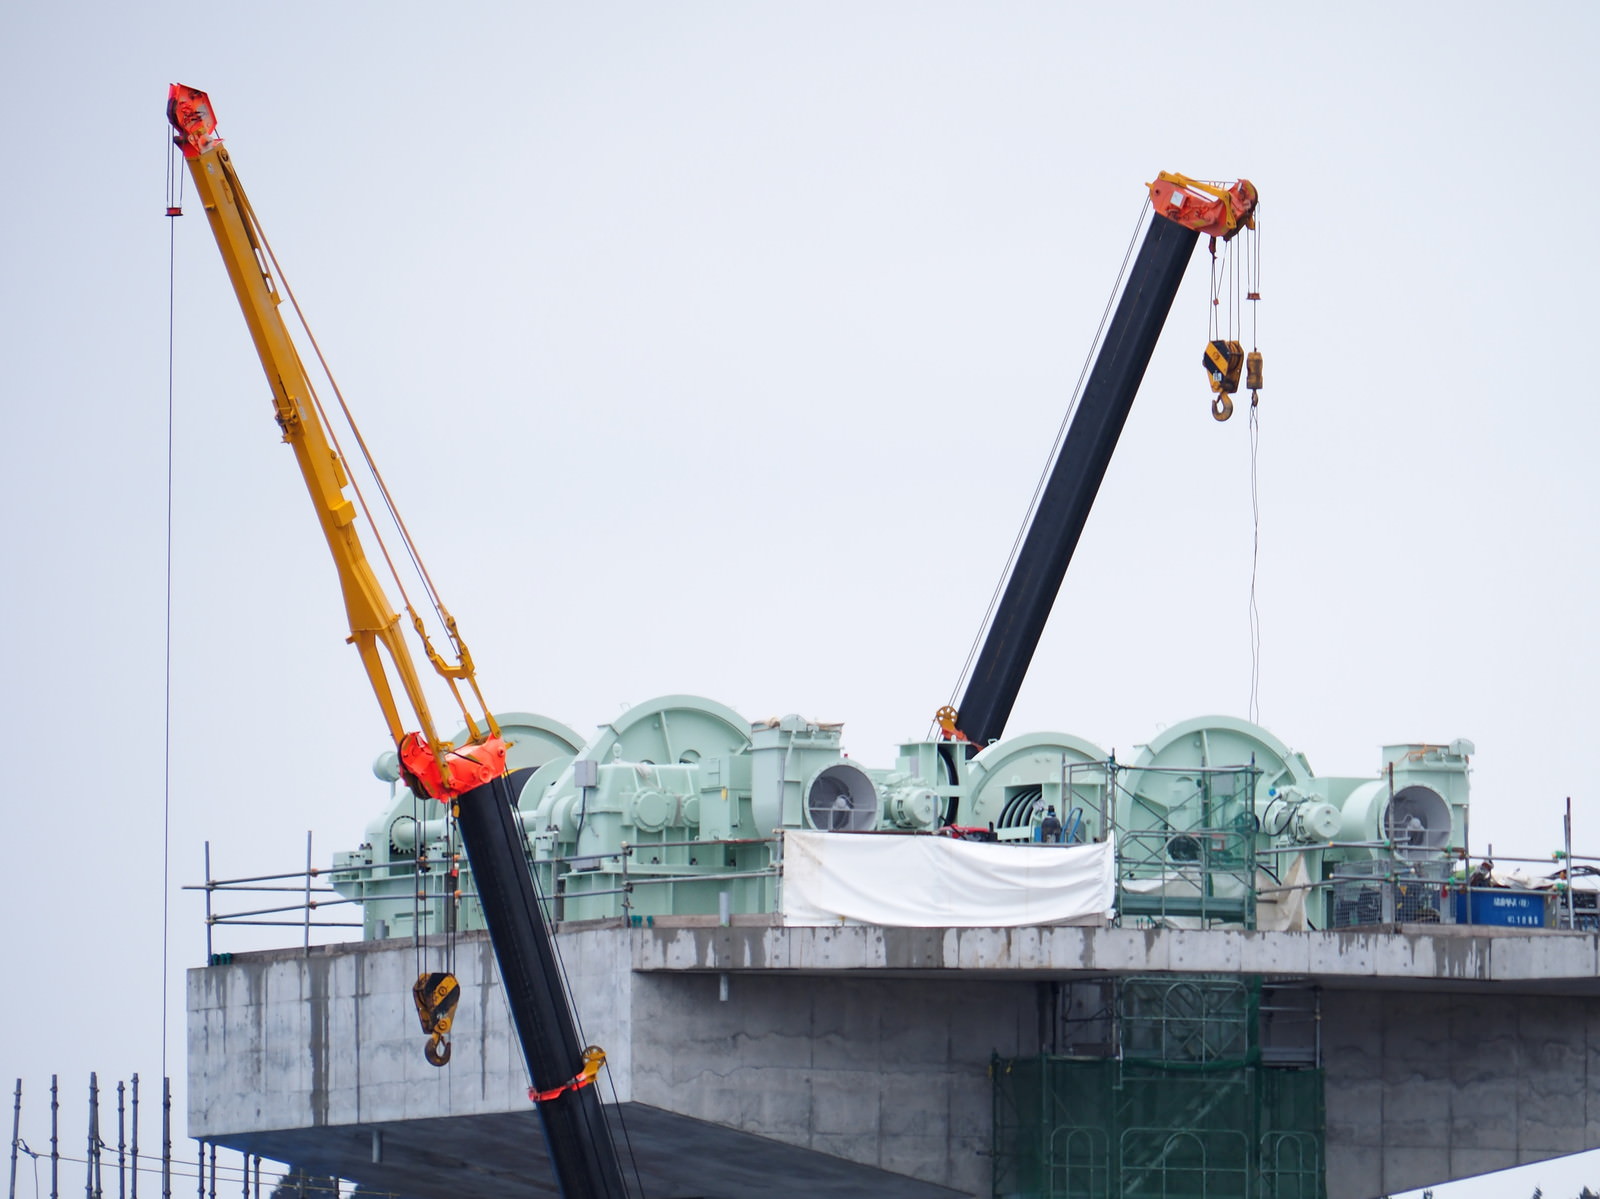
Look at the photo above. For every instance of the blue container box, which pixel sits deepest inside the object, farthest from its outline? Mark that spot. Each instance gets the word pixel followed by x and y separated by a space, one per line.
pixel 1515 909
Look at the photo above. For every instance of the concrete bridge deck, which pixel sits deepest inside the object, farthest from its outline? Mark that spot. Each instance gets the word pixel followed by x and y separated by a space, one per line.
pixel 853 1061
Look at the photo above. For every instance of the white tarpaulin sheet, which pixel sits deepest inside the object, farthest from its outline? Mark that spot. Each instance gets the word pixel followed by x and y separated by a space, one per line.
pixel 940 882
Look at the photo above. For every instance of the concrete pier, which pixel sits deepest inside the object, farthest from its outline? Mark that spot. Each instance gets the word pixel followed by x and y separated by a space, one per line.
pixel 854 1061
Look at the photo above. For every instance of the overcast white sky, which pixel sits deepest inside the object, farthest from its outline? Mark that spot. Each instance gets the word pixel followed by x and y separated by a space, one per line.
pixel 715 348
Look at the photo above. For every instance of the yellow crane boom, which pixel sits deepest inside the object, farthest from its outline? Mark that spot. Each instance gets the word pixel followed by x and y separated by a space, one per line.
pixel 432 766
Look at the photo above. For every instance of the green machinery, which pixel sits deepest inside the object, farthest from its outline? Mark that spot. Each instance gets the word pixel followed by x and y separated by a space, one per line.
pixel 674 808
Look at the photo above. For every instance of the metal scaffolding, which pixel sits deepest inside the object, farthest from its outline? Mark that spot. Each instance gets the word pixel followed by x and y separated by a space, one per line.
pixel 1191 1086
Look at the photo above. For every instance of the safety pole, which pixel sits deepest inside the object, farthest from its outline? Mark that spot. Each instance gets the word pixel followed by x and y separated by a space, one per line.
pixel 16 1134
pixel 166 1137
pixel 208 903
pixel 55 1154
pixel 122 1144
pixel 133 1189
pixel 92 1153
pixel 1567 827
pixel 308 894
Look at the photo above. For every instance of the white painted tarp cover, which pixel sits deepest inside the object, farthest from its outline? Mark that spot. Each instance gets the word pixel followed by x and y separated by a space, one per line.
pixel 940 882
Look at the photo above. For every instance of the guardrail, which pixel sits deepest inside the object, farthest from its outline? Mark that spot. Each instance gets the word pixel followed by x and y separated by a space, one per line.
pixel 1390 892
pixel 314 896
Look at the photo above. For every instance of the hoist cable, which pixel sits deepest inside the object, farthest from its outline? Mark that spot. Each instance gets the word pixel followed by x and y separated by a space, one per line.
pixel 1255 555
pixel 1211 309
pixel 1254 284
pixel 388 501
pixel 1235 317
pixel 355 430
pixel 1253 289
pixel 383 489
pixel 174 202
pixel 1055 447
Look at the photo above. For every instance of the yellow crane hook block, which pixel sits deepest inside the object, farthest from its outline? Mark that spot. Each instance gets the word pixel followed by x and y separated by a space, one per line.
pixel 1224 362
pixel 436 996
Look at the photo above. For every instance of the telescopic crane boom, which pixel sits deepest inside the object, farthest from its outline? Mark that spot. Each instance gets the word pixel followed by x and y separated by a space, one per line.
pixel 470 777
pixel 1184 209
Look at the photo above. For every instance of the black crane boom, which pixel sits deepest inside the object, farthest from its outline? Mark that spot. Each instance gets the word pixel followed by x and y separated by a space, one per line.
pixel 1046 552
pixel 575 1129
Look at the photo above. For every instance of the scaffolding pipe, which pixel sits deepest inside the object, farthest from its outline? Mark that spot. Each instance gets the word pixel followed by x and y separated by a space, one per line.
pixel 91 1156
pixel 308 895
pixel 1566 825
pixel 166 1137
pixel 133 1189
pixel 16 1132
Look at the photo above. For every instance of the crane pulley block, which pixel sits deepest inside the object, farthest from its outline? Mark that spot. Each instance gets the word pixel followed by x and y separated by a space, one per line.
pixel 1224 361
pixel 436 996
pixel 445 771
pixel 1205 207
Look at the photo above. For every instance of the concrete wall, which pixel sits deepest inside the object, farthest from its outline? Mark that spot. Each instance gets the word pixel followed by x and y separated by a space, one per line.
pixel 1446 1055
pixel 887 1073
pixel 1426 1087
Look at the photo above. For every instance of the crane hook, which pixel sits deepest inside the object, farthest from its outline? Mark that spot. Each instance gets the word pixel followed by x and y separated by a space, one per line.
pixel 1221 407
pixel 436 996
pixel 437 1050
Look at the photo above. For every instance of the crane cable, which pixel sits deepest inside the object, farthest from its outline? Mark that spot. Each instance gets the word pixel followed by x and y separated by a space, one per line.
pixel 1225 275
pixel 1044 475
pixel 389 505
pixel 175 175
pixel 1253 294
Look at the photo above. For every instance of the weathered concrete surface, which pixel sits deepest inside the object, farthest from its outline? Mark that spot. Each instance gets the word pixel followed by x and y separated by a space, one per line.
pixel 1423 1087
pixel 1404 955
pixel 854 1061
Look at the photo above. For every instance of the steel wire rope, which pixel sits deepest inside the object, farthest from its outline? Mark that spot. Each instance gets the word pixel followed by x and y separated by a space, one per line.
pixel 1235 325
pixel 174 174
pixel 417 878
pixel 366 456
pixel 1253 272
pixel 1055 448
